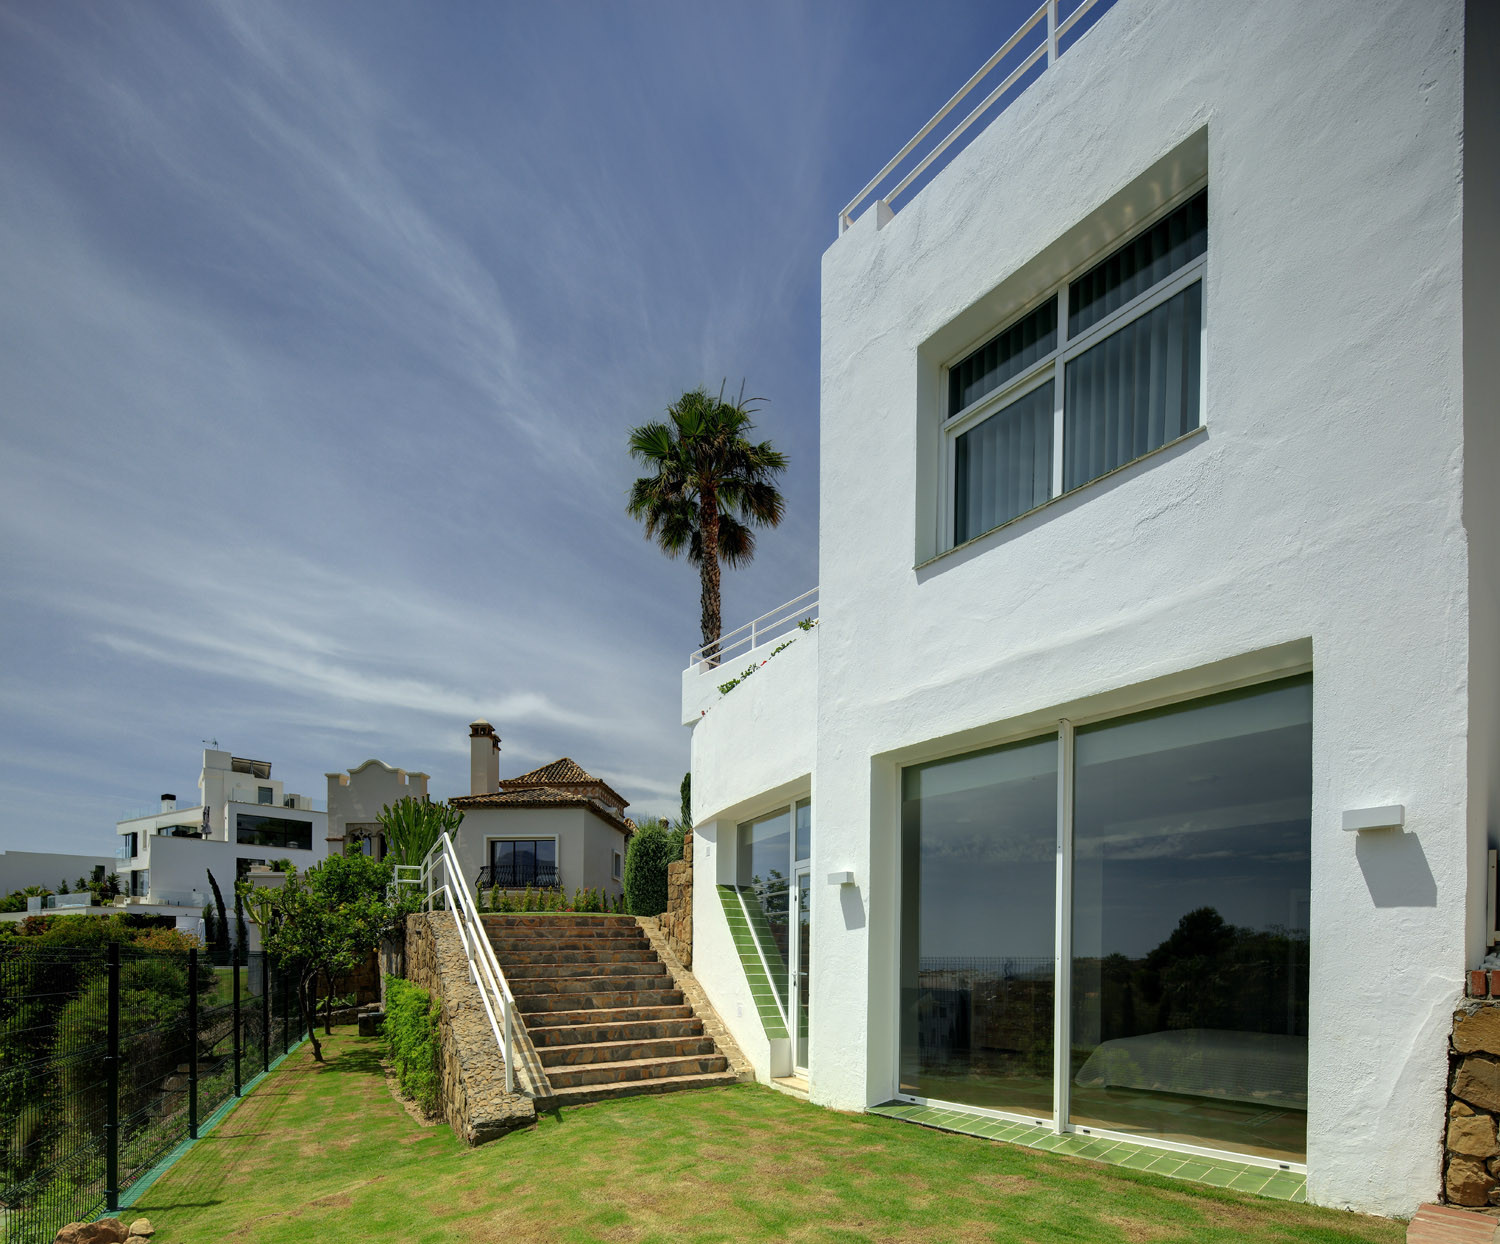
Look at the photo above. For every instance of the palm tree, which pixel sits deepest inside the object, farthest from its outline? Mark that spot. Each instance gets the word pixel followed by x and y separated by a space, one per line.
pixel 711 485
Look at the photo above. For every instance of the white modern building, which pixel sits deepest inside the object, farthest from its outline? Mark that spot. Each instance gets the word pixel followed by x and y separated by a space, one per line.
pixel 1139 774
pixel 242 817
pixel 356 799
pixel 20 869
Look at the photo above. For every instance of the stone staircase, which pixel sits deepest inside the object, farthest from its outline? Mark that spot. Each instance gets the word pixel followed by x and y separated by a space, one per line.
pixel 601 1009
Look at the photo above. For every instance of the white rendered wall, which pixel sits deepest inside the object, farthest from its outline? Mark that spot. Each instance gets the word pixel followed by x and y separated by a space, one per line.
pixel 752 752
pixel 1319 515
pixel 584 842
pixel 19 869
pixel 179 866
pixel 360 795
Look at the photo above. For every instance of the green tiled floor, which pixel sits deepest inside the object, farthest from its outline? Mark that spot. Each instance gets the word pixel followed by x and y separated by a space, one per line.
pixel 1216 1172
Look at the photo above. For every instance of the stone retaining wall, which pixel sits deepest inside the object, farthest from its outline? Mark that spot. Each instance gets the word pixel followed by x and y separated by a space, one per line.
pixel 677 920
pixel 1471 1158
pixel 471 1068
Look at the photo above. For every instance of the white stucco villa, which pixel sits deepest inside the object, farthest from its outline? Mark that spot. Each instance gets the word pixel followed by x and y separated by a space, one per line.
pixel 1139 773
pixel 242 817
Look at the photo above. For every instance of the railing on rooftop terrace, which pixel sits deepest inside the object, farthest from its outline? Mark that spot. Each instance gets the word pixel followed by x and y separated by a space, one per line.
pixel 801 611
pixel 1048 48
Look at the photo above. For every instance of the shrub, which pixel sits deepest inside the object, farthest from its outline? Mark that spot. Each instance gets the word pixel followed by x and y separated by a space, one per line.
pixel 652 847
pixel 411 1040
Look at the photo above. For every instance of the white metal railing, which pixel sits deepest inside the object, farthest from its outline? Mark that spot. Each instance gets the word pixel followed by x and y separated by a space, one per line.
pixel 1045 53
pixel 443 888
pixel 769 626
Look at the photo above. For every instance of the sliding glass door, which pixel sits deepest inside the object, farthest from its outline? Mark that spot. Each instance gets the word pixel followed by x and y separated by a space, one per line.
pixel 1185 901
pixel 978 837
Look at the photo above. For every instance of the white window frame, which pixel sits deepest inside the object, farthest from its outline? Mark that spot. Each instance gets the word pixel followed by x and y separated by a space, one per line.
pixel 1053 367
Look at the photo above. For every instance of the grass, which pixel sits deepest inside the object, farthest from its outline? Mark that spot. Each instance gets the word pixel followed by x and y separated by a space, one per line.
pixel 325 1154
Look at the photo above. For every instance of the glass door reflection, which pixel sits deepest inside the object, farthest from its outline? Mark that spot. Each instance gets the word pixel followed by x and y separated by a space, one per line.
pixel 802 957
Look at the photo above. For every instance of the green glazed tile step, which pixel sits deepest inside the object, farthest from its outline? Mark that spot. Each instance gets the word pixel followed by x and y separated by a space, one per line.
pixel 761 992
pixel 1241 1176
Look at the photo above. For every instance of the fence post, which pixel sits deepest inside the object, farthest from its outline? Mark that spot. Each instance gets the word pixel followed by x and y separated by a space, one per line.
pixel 265 1012
pixel 112 1085
pixel 235 962
pixel 193 1044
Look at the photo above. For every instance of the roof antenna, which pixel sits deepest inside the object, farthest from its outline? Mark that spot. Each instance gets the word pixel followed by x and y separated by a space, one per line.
pixel 213 743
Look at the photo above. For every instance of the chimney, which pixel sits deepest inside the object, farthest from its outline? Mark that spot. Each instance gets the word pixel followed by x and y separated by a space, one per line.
pixel 484 759
pixel 169 803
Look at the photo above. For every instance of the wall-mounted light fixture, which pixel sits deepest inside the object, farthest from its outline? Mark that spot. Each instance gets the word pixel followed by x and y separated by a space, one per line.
pixel 840 878
pixel 1357 820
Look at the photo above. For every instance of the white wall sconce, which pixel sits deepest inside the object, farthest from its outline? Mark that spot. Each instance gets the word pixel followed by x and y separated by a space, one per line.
pixel 840 878
pixel 1357 820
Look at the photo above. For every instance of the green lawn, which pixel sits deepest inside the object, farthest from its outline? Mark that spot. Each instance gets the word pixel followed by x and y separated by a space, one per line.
pixel 324 1154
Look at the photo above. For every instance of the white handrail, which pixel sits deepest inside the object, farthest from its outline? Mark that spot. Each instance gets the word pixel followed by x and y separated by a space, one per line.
pixel 442 882
pixel 758 630
pixel 1048 49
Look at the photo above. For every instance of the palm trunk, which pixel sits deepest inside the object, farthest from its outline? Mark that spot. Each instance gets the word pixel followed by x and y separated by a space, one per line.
pixel 709 573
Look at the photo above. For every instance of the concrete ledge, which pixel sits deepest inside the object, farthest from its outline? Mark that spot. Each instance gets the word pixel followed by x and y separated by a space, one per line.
pixel 693 994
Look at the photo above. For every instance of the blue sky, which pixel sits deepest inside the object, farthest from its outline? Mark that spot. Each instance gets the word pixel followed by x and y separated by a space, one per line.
pixel 322 326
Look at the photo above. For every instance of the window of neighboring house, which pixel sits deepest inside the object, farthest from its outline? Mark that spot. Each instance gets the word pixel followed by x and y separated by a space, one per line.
pixel 272 831
pixel 132 844
pixel 520 862
pixel 1102 370
pixel 263 794
pixel 140 883
pixel 619 866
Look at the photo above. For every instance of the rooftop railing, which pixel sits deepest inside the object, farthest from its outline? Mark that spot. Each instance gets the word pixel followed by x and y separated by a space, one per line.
pixel 1055 29
pixel 799 612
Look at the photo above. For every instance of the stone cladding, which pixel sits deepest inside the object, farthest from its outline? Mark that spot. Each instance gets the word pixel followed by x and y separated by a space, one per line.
pixel 677 920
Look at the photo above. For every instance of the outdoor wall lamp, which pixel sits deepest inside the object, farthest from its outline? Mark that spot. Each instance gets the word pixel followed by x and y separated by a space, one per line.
pixel 840 878
pixel 1357 820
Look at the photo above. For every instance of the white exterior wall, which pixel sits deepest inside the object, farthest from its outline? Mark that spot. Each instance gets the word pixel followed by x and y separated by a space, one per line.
pixel 359 796
pixel 179 866
pixel 1318 521
pixel 753 751
pixel 584 842
pixel 19 869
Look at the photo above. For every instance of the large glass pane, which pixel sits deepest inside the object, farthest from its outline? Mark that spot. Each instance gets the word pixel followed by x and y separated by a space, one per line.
pixel 978 868
pixel 1190 888
pixel 1004 465
pixel 1004 357
pixel 1149 257
pixel 804 961
pixel 765 862
pixel 1134 391
pixel 804 830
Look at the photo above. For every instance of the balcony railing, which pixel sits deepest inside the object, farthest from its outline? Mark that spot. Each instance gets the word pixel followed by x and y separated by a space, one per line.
pixel 801 612
pixel 518 876
pixel 1055 29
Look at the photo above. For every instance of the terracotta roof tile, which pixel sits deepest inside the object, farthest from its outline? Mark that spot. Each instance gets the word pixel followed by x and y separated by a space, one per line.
pixel 547 797
pixel 564 770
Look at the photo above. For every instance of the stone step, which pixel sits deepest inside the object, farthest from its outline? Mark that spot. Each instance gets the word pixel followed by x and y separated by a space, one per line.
pixel 635 1069
pixel 516 973
pixel 583 1094
pixel 635 982
pixel 556 922
pixel 544 1021
pixel 625 1000
pixel 624 1051
pixel 546 945
pixel 591 1033
pixel 575 954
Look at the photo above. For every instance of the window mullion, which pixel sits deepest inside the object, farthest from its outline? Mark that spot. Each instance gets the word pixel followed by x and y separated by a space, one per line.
pixel 1062 967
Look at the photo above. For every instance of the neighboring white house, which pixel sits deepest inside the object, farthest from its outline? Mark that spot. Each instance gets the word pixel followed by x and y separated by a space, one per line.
pixel 1159 550
pixel 555 827
pixel 242 818
pixel 356 798
pixel 20 869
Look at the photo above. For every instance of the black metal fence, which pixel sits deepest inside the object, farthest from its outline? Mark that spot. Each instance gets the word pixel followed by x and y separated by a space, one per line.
pixel 518 876
pixel 112 1056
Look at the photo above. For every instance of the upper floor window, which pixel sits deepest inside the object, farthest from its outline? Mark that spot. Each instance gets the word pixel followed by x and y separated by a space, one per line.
pixel 1103 369
pixel 272 831
pixel 263 794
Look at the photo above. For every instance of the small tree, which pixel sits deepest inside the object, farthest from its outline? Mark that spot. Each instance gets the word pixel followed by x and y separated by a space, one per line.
pixel 652 847
pixel 324 921
pixel 412 827
pixel 685 816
